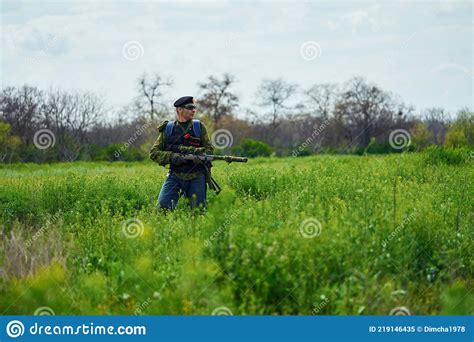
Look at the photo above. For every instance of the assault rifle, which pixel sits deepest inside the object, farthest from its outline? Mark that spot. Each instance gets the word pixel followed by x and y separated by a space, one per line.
pixel 211 157
pixel 205 159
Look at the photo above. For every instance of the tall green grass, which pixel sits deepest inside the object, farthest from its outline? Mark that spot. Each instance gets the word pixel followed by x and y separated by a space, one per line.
pixel 394 232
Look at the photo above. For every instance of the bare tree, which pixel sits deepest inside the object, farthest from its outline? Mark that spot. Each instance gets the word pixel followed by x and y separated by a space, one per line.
pixel 436 119
pixel 366 110
pixel 216 98
pixel 151 90
pixel 56 116
pixel 88 109
pixel 20 108
pixel 276 95
pixel 321 99
pixel 70 116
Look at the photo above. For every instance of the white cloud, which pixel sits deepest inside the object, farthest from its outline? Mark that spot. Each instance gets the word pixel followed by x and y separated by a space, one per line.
pixel 79 44
pixel 450 67
pixel 360 20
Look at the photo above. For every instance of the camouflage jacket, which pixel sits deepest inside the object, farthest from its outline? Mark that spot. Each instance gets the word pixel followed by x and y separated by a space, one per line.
pixel 161 156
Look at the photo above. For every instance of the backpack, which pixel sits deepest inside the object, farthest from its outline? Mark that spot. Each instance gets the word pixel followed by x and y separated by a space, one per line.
pixel 170 126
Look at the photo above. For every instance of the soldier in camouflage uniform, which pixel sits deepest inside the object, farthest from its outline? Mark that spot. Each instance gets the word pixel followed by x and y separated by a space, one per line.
pixel 185 177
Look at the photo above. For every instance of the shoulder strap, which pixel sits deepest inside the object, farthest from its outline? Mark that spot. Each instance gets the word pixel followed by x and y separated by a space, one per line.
pixel 197 127
pixel 169 128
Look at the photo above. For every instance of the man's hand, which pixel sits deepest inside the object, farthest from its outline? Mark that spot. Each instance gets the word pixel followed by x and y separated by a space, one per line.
pixel 191 149
pixel 196 160
pixel 200 150
pixel 177 159
pixel 186 149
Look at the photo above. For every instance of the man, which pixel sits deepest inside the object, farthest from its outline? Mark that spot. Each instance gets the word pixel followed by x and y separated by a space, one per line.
pixel 182 136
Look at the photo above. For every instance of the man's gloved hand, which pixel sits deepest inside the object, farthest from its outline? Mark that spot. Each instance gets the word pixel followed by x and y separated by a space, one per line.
pixel 191 149
pixel 186 149
pixel 196 160
pixel 200 150
pixel 177 159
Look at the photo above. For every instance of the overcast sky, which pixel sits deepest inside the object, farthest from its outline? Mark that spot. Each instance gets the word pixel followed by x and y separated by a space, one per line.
pixel 421 50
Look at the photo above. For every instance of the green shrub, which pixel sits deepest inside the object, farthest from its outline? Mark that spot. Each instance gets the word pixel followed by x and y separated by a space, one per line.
pixel 304 152
pixel 380 148
pixel 117 152
pixel 461 131
pixel 252 148
pixel 444 155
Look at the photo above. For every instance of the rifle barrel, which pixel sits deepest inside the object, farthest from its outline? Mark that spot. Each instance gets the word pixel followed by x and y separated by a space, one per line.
pixel 211 157
pixel 228 158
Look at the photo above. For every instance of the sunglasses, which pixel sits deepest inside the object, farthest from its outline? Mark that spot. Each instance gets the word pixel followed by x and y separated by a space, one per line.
pixel 190 106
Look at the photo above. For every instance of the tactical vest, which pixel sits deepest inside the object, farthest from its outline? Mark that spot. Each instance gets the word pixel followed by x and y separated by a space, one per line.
pixel 174 136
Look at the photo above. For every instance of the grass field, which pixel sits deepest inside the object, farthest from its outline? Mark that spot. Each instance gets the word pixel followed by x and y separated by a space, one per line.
pixel 313 235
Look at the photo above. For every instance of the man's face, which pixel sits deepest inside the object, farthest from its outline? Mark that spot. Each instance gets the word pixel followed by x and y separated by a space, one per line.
pixel 187 112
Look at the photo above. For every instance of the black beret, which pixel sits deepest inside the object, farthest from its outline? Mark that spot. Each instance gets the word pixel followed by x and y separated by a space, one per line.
pixel 182 101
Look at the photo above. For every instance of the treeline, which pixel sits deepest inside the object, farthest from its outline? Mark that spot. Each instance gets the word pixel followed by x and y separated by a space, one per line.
pixel 355 117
